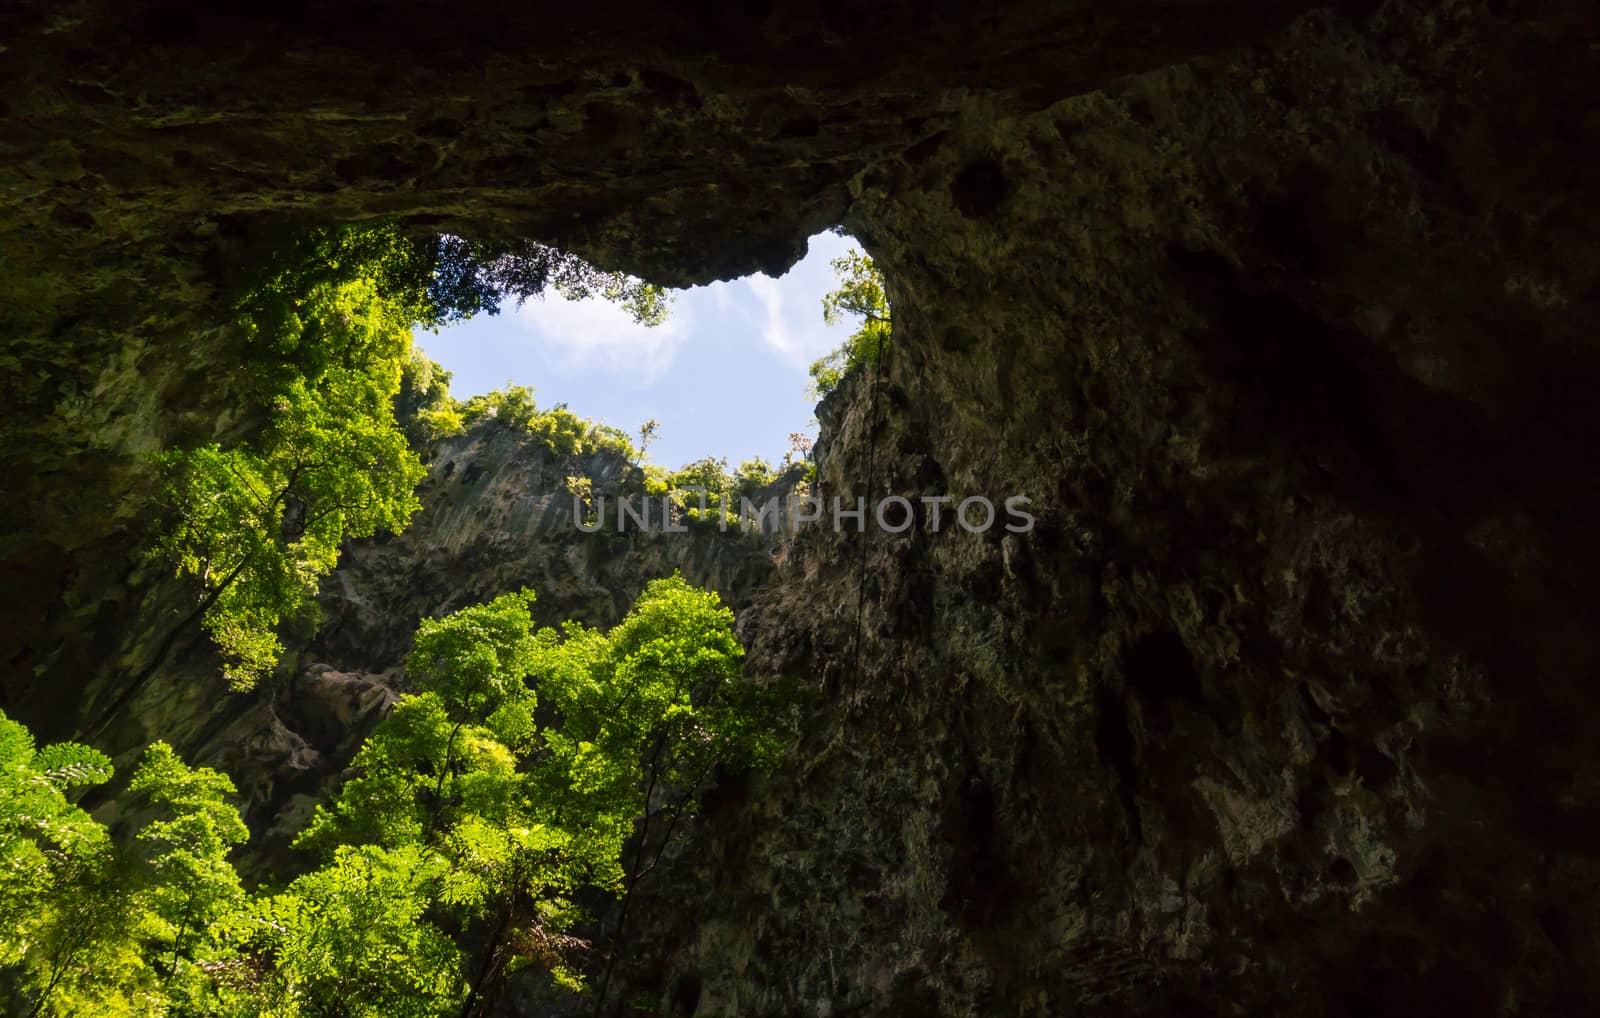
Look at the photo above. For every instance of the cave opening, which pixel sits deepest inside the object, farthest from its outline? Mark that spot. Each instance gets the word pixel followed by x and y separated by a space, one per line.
pixel 727 371
pixel 1302 368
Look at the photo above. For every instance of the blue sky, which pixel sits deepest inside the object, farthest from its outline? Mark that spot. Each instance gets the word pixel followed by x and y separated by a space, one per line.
pixel 725 375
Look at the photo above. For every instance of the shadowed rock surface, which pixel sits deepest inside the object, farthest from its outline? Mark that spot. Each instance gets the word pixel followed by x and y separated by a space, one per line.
pixel 1286 327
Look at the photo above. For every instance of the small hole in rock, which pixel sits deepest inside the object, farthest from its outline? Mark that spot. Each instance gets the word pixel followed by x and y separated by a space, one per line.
pixel 980 189
pixel 686 995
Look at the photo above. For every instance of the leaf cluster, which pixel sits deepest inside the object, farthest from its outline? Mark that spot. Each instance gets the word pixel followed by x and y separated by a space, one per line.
pixel 91 926
pixel 424 407
pixel 860 295
pixel 510 785
pixel 563 431
pixel 476 276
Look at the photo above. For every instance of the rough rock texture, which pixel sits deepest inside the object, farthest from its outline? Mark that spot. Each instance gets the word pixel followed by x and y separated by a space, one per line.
pixel 1286 329
pixel 498 516
pixel 151 149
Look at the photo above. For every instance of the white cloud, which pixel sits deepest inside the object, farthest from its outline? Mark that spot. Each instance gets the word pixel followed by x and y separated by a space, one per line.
pixel 787 312
pixel 792 305
pixel 595 333
pixel 775 330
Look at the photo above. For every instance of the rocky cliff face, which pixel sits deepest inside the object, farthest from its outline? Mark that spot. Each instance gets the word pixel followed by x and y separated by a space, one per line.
pixel 1286 328
pixel 1280 707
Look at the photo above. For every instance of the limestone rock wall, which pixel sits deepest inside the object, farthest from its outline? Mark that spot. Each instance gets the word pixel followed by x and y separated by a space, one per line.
pixel 1282 706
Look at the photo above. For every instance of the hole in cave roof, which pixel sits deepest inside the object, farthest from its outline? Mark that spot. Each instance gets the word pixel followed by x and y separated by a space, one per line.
pixel 725 375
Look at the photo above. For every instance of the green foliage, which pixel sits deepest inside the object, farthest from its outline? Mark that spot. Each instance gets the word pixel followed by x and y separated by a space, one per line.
pixel 260 523
pixel 864 346
pixel 46 842
pixel 753 474
pixel 336 296
pixel 423 406
pixel 660 689
pixel 564 431
pixel 860 295
pixel 712 475
pixel 350 938
pixel 449 862
pixel 519 814
pixel 474 276
pixel 185 884
pixel 477 658
pixel 194 884
pixel 860 291
pixel 92 927
pixel 800 452
pixel 441 279
pixel 512 406
pixel 328 339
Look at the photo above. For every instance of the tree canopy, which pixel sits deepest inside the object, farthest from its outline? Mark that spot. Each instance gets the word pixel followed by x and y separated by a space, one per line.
pixel 470 277
pixel 860 295
pixel 529 770
pixel 94 926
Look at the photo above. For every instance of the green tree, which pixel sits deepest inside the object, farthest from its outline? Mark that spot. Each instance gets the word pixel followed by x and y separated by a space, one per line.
pixel 94 927
pixel 512 405
pixel 260 522
pixel 188 883
pixel 649 431
pixel 648 710
pixel 712 476
pixel 351 938
pixel 473 276
pixel 328 334
pixel 860 295
pixel 444 278
pixel 48 849
pixel 517 815
pixel 423 407
pixel 710 473
pixel 565 432
pixel 529 769
pixel 753 474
